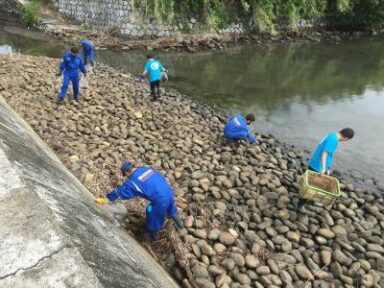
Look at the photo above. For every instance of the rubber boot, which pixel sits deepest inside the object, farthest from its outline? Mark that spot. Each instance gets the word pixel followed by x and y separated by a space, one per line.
pixel 179 223
pixel 151 236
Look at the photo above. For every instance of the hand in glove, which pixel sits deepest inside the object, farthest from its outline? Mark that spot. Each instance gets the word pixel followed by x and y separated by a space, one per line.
pixel 142 78
pixel 102 200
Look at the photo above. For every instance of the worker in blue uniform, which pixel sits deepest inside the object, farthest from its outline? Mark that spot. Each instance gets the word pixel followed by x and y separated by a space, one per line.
pixel 237 128
pixel 70 66
pixel 153 68
pixel 322 157
pixel 149 184
pixel 88 52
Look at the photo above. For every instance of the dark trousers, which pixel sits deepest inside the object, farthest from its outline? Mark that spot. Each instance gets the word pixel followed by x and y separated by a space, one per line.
pixel 301 200
pixel 155 89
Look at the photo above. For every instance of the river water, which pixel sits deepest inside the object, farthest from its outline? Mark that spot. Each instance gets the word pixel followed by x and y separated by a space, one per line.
pixel 298 92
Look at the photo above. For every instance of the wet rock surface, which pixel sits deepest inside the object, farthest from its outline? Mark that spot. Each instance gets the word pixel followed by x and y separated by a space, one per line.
pixel 238 201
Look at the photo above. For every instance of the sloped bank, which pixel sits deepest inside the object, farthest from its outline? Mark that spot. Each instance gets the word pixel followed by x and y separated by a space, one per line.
pixel 238 202
pixel 52 234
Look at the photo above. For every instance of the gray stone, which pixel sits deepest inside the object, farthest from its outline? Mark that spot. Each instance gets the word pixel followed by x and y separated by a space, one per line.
pixel 228 264
pixel 252 261
pixel 263 270
pixel 204 283
pixel 303 272
pixel 367 280
pixel 220 205
pixel 219 248
pixel 238 258
pixel 200 233
pixel 375 247
pixel 207 250
pixel 340 257
pixel 200 270
pixel 213 234
pixel 326 256
pixel 243 279
pixel 215 270
pixel 222 280
pixel 226 238
pixel 293 236
pixel 326 233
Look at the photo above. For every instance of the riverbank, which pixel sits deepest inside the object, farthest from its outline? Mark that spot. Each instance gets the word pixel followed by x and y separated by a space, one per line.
pixel 72 34
pixel 242 228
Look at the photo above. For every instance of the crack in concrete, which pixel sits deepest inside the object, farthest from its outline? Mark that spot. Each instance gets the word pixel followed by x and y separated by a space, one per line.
pixel 36 264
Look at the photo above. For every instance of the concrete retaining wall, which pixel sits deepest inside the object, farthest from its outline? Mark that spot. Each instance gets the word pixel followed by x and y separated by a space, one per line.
pixel 51 232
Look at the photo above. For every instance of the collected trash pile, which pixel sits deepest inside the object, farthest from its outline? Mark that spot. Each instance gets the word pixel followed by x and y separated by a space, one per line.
pixel 238 201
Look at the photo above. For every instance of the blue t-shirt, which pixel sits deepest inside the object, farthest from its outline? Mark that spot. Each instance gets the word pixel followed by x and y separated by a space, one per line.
pixel 154 68
pixel 328 144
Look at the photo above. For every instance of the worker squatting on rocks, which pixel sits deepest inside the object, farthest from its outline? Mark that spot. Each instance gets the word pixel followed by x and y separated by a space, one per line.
pixel 149 184
pixel 322 158
pixel 88 52
pixel 237 128
pixel 70 66
pixel 153 68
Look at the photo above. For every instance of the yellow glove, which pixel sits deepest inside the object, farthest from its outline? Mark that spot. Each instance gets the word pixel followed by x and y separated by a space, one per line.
pixel 101 200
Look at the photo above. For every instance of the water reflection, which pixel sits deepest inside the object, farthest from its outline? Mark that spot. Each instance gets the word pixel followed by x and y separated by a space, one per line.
pixel 6 49
pixel 29 42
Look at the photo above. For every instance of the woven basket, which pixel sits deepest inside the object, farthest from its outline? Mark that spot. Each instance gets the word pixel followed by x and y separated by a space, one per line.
pixel 316 191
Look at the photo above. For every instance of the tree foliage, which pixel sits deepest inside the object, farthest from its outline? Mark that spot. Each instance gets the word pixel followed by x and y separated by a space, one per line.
pixel 266 14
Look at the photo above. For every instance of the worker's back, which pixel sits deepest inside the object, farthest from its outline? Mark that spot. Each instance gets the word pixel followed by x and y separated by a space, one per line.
pixel 154 68
pixel 87 45
pixel 151 183
pixel 236 128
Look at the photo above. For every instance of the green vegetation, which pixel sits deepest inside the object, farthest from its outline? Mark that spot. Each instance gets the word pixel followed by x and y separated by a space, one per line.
pixel 266 14
pixel 85 27
pixel 31 13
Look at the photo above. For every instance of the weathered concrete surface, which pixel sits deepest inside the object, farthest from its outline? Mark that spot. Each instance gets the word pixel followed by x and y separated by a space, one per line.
pixel 51 233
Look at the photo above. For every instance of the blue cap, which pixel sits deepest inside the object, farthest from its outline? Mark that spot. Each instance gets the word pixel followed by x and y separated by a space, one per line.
pixel 125 166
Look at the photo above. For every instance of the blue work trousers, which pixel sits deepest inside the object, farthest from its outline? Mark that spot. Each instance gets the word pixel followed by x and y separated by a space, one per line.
pixel 158 211
pixel 73 77
pixel 88 56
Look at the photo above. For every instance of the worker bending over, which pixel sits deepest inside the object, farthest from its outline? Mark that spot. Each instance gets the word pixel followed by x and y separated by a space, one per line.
pixel 153 69
pixel 70 66
pixel 237 128
pixel 88 52
pixel 149 184
pixel 322 158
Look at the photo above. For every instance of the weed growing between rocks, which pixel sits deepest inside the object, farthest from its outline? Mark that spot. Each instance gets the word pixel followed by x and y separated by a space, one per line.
pixel 239 201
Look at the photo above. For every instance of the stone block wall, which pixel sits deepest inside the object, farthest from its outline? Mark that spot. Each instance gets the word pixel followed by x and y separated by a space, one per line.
pixel 109 14
pixel 9 10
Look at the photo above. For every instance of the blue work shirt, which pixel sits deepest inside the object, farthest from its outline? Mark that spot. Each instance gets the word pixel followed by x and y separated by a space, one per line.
pixel 88 52
pixel 87 46
pixel 153 68
pixel 72 64
pixel 328 144
pixel 145 182
pixel 237 129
